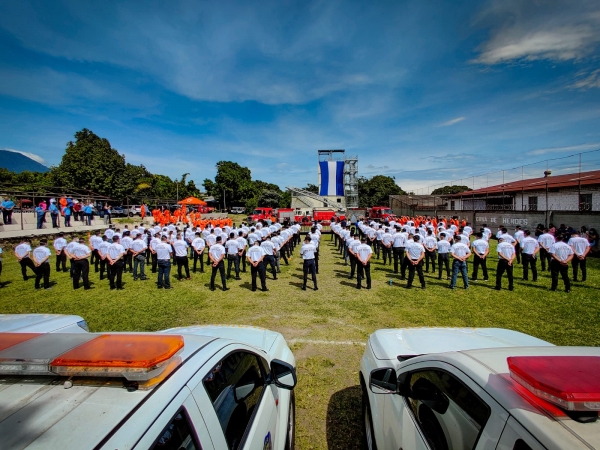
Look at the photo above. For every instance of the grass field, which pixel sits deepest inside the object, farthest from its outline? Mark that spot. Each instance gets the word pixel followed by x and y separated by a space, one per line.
pixel 325 329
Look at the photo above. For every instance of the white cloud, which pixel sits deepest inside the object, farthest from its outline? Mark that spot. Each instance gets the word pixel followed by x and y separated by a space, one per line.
pixel 33 156
pixel 571 148
pixel 586 80
pixel 557 30
pixel 451 122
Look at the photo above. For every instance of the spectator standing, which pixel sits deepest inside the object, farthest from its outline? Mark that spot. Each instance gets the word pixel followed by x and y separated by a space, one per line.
pixel 7 210
pixel 54 213
pixel 40 214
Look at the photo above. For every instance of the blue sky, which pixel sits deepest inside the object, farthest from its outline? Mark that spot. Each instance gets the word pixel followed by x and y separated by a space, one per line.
pixel 422 91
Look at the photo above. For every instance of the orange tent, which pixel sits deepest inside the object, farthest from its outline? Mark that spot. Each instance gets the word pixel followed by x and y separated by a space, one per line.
pixel 192 201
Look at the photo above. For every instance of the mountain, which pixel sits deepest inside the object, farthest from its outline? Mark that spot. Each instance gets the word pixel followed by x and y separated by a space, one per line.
pixel 16 162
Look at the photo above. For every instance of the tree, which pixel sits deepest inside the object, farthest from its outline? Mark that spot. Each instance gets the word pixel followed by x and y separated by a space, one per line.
pixel 376 191
pixel 447 190
pixel 312 188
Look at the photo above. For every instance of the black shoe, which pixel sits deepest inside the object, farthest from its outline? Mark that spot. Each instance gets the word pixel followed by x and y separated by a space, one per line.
pixel 368 287
pixel 511 288
pixel 316 288
pixel 238 278
pixel 303 288
pixel 168 287
pixel 553 289
pixel 450 287
pixel 254 289
pixel 358 286
pixel 487 279
pixel 135 279
pixel 264 290
pixel 497 288
pixel 225 288
pixel 160 287
pixel 121 289
pixel 567 290
pixel 212 288
pixel 423 286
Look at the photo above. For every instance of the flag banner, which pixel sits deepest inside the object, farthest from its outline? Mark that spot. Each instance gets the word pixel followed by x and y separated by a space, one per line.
pixel 331 178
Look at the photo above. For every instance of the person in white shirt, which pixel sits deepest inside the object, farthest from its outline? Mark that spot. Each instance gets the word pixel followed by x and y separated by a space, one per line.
pixel 232 246
pixel 518 236
pixel 59 245
pixel 198 246
pixel 217 254
pixel 443 251
pixel 581 247
pixel 255 255
pixel 115 256
pixel 352 246
pixel 103 254
pixel 398 247
pixel 386 246
pixel 562 255
pixel 546 241
pixel 210 239
pixel 164 251
pixel 138 251
pixel 415 252
pixel 529 250
pixel 68 250
pixel 23 255
pixel 363 263
pixel 506 256
pixel 460 253
pixel 481 249
pixel 180 247
pixel 156 239
pixel 242 245
pixel 430 245
pixel 81 265
pixel 41 259
pixel 95 241
pixel 126 241
pixel 269 248
pixel 308 252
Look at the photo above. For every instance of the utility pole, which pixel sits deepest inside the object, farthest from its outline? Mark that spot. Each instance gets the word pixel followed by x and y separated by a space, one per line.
pixel 224 205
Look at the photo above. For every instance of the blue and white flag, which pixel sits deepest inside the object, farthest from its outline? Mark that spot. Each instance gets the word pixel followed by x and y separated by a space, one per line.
pixel 331 178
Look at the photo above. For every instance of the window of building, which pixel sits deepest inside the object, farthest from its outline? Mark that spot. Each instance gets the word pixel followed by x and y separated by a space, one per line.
pixel 177 435
pixel 235 386
pixel 452 205
pixel 533 203
pixel 585 202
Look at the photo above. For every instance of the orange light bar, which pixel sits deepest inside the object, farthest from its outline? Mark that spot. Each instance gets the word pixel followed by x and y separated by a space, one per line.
pixel 9 339
pixel 122 350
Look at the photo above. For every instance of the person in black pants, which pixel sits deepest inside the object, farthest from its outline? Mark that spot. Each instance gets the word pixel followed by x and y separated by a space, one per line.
pixel 562 254
pixel 506 256
pixel 116 254
pixel 307 251
pixel 41 258
pixel 216 255
pixel 23 254
pixel 443 251
pixel 363 256
pixel 81 265
pixel 415 252
pixel 198 246
pixel 480 249
pixel 255 256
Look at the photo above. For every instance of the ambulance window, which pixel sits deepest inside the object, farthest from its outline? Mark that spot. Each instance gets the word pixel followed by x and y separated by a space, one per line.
pixel 521 445
pixel 235 386
pixel 178 435
pixel 449 414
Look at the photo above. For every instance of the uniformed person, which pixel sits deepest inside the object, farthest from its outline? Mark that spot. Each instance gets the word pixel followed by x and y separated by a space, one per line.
pixel 242 245
pixel 216 254
pixel 398 247
pixel 546 241
pixel 415 252
pixel 163 251
pixel 443 250
pixel 103 253
pixel 581 248
pixel 460 253
pixel 59 245
pixel 519 235
pixel 126 241
pixel 115 255
pixel 308 251
pixel 315 237
pixel 562 255
pixel 232 246
pixel 481 249
pixel 81 265
pixel 430 245
pixel 198 246
pixel 352 246
pixel 156 239
pixel 386 246
pixel 95 241
pixel 138 251
pixel 180 247
pixel 23 255
pixel 68 249
pixel 363 255
pixel 256 255
pixel 269 249
pixel 506 256
pixel 41 259
pixel 529 250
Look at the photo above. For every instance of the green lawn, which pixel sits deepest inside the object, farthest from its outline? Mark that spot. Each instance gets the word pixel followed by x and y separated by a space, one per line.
pixel 326 329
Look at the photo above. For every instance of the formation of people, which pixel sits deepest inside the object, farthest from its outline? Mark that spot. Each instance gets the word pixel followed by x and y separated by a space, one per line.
pixel 415 245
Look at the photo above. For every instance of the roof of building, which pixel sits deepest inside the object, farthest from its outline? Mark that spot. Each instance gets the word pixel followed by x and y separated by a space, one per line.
pixel 536 184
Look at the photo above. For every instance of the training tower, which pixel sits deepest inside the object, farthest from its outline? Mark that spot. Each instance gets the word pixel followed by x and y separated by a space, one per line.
pixel 338 184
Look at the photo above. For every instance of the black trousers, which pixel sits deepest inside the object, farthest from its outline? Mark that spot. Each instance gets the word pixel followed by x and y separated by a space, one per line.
pixel 164 272
pixel 309 266
pixel 25 263
pixel 270 260
pixel 61 259
pixel 154 262
pixel 503 266
pixel 7 216
pixel 198 257
pixel 518 252
pixel 261 271
pixel 81 269
pixel 576 263
pixel 412 268
pixel 529 262
pixel 363 271
pixel 104 267
pixel 353 263
pixel 387 255
pixel 479 261
pixel 128 261
pixel 42 271
pixel 243 260
pixel 443 261
pixel 405 264
pixel 430 256
pixel 95 260
pixel 317 261
pixel 221 268
pixel 398 257
pixel 545 258
pixel 116 272
pixel 233 260
pixel 182 263
pixel 562 269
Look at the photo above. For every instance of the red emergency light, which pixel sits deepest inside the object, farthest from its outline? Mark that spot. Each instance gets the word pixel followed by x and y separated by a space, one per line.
pixel 571 382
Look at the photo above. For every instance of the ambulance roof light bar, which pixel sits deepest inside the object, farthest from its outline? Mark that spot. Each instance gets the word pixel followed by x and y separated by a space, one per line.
pixel 571 382
pixel 136 357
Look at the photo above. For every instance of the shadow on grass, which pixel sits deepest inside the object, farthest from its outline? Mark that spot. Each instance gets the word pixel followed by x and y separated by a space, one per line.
pixel 344 428
pixel 5 283
pixel 348 283
pixel 298 285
